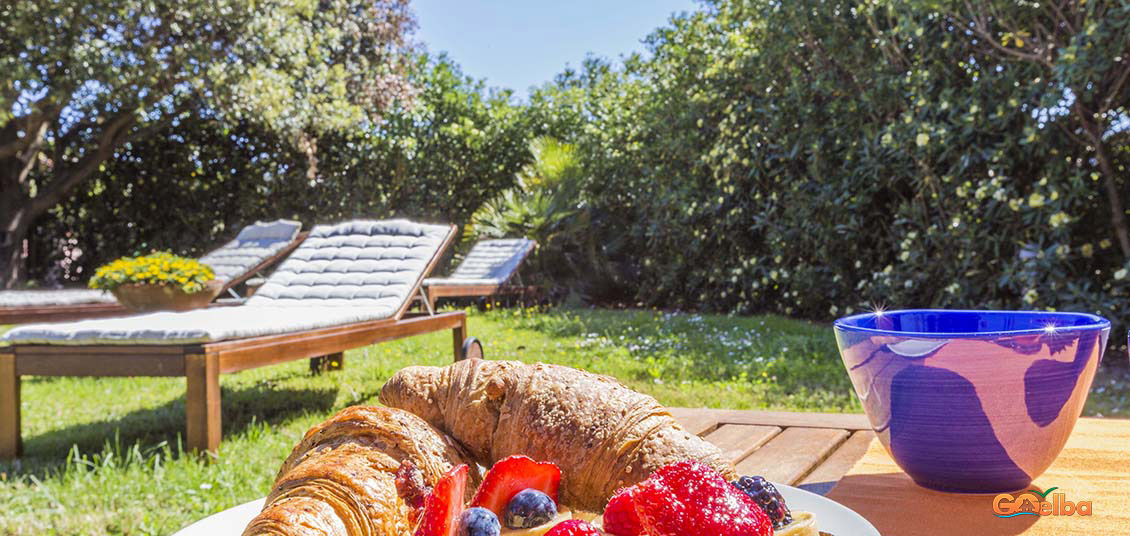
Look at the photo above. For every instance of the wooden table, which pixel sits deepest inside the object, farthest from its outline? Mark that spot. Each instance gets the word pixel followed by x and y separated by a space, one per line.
pixel 815 451
pixel 808 450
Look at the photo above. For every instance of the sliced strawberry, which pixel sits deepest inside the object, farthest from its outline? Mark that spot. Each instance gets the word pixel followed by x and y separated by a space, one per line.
pixel 444 504
pixel 510 475
pixel 573 527
pixel 620 517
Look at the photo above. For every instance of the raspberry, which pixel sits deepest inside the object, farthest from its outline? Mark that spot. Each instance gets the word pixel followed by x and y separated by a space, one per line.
pixel 766 496
pixel 573 527
pixel 691 499
pixel 620 516
pixel 660 513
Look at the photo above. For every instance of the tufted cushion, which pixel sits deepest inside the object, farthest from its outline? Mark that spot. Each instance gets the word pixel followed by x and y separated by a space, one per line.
pixel 199 326
pixel 490 262
pixel 254 244
pixel 341 274
pixel 355 264
pixel 47 298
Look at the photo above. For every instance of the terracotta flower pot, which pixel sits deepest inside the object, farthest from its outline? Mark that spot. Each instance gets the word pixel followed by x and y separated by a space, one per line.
pixel 145 297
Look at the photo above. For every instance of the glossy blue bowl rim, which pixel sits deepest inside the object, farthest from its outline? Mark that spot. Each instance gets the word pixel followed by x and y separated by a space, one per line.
pixel 1095 323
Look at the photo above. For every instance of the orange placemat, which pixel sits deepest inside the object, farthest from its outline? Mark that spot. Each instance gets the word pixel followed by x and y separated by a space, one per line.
pixel 1094 466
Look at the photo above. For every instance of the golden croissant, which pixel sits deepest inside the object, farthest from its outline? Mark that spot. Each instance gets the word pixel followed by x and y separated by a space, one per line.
pixel 602 435
pixel 363 471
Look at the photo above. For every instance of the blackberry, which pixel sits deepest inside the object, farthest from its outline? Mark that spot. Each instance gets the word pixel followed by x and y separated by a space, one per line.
pixel 766 496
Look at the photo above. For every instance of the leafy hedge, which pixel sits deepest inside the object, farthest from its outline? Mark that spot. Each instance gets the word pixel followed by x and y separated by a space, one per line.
pixel 192 186
pixel 812 157
pixel 820 157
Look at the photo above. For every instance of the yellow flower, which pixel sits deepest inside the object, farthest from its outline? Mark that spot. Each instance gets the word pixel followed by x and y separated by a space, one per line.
pixel 1058 219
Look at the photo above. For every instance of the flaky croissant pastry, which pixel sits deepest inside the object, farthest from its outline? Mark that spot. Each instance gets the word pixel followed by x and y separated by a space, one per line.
pixel 601 434
pixel 362 472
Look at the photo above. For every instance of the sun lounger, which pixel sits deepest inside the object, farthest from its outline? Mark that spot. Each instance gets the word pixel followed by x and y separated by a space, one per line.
pixel 346 286
pixel 256 248
pixel 491 269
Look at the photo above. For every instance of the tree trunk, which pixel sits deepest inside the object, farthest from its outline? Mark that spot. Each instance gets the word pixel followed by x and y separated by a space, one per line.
pixel 1118 223
pixel 18 210
pixel 15 221
pixel 1117 212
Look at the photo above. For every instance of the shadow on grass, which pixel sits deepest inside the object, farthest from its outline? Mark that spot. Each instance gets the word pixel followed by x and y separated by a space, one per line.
pixel 152 428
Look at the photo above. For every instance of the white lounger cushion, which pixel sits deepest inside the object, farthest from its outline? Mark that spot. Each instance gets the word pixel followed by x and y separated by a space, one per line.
pixel 490 262
pixel 199 326
pixel 47 298
pixel 254 244
pixel 341 274
pixel 355 264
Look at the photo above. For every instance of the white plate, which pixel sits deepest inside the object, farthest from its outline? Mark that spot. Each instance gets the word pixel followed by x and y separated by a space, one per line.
pixel 831 516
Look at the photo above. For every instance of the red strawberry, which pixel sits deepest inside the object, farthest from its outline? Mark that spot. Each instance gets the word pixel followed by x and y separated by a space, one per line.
pixel 691 499
pixel 573 527
pixel 510 475
pixel 444 504
pixel 620 516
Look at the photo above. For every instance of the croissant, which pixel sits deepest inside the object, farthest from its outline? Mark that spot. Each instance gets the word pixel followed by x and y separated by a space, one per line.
pixel 365 471
pixel 601 434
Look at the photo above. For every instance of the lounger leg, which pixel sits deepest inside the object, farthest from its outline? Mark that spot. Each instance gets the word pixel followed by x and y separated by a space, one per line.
pixel 326 363
pixel 10 444
pixel 458 334
pixel 202 401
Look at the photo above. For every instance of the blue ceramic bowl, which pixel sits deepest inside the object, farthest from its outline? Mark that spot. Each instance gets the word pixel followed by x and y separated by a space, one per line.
pixel 972 401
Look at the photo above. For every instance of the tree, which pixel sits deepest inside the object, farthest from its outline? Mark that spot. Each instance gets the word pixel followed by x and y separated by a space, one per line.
pixel 1083 52
pixel 458 145
pixel 83 79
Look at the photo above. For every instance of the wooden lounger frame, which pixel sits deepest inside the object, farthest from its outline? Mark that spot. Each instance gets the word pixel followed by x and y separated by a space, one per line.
pixel 435 291
pixel 59 313
pixel 202 364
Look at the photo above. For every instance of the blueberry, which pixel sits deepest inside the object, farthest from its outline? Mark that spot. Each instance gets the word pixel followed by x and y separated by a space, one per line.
pixel 766 495
pixel 478 521
pixel 530 508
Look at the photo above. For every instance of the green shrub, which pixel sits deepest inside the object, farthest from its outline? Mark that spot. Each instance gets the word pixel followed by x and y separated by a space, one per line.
pixel 549 206
pixel 816 158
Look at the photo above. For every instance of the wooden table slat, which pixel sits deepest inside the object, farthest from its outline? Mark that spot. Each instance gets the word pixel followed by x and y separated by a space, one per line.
pixel 792 454
pixel 696 421
pixel 739 440
pixel 784 419
pixel 824 476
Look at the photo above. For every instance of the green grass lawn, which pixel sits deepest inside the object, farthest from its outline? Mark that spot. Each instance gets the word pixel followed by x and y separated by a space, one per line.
pixel 103 455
